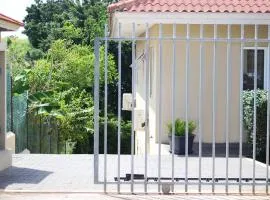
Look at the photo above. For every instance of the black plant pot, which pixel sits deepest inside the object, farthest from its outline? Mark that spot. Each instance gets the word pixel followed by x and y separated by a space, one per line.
pixel 179 147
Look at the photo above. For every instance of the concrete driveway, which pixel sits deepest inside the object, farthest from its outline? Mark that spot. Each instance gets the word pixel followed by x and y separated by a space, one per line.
pixel 74 173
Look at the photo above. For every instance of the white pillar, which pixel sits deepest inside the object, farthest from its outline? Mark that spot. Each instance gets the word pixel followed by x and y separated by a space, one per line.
pixel 5 155
pixel 2 99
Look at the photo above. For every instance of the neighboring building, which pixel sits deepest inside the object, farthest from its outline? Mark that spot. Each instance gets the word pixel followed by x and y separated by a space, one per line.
pixel 194 13
pixel 6 24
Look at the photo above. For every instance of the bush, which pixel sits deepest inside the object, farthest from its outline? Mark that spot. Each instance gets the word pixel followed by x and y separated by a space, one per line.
pixel 180 127
pixel 87 145
pixel 261 121
pixel 112 139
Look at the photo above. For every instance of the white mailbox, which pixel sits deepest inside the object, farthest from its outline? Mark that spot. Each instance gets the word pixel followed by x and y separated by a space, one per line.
pixel 139 120
pixel 127 101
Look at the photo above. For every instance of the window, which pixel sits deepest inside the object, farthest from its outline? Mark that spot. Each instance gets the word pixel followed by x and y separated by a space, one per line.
pixel 248 69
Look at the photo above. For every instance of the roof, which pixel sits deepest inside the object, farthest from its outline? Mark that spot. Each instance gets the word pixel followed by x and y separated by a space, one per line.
pixel 216 6
pixel 10 20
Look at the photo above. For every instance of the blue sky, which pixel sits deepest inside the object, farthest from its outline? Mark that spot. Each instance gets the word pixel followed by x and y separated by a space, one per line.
pixel 15 9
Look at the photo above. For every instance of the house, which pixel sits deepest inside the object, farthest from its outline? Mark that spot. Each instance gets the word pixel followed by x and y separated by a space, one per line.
pixel 219 25
pixel 6 24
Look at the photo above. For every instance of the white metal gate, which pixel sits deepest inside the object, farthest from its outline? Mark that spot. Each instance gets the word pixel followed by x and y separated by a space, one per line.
pixel 232 45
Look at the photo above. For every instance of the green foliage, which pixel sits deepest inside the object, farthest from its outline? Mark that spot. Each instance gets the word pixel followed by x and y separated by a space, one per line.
pixel 51 20
pixel 261 122
pixel 60 88
pixel 77 108
pixel 86 145
pixel 21 82
pixel 59 69
pixel 180 127
pixel 113 135
pixel 17 51
pixel 67 66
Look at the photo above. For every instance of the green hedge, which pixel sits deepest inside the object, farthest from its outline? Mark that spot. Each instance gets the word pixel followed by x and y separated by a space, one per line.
pixel 86 146
pixel 261 126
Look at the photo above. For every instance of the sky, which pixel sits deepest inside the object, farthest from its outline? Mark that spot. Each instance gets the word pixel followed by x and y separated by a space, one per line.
pixel 15 9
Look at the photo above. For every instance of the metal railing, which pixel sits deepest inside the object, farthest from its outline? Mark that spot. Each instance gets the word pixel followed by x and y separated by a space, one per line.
pixel 144 180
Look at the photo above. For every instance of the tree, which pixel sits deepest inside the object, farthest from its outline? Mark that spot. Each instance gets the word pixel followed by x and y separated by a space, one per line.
pixel 60 77
pixel 61 85
pixel 17 52
pixel 54 19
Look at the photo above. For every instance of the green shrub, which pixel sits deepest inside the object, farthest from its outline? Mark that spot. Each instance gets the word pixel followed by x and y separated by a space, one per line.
pixel 112 136
pixel 261 121
pixel 87 145
pixel 180 127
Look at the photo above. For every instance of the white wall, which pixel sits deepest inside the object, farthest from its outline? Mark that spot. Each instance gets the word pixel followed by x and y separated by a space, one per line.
pixel 193 81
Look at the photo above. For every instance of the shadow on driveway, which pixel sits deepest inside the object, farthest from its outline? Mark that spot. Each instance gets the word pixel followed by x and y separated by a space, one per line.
pixel 21 175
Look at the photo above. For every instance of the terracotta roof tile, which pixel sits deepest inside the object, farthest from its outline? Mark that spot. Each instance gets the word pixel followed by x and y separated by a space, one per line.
pixel 238 6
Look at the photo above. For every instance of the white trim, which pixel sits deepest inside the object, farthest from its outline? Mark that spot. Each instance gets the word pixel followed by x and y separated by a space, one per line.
pixel 3 46
pixel 186 18
pixel 193 18
pixel 9 26
pixel 151 70
pixel 266 64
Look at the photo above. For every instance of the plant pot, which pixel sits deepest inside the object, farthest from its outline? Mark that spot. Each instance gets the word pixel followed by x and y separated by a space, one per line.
pixel 180 146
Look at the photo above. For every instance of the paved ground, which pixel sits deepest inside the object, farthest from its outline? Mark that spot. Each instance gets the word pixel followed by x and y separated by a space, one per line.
pixel 24 196
pixel 221 149
pixel 74 173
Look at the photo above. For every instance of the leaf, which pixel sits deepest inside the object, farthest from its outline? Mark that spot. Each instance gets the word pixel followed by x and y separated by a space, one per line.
pixel 39 96
pixel 19 77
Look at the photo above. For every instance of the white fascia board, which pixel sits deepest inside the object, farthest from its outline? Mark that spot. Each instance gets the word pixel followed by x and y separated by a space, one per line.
pixel 114 28
pixel 186 18
pixel 3 46
pixel 193 18
pixel 9 26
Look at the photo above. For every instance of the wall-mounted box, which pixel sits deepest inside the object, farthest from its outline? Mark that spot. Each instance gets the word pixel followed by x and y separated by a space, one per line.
pixel 127 101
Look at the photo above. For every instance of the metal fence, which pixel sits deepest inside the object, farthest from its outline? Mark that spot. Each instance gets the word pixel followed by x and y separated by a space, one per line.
pixel 186 180
pixel 32 132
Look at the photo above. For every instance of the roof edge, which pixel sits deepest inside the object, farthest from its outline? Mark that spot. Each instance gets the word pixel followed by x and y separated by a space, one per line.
pixel 10 20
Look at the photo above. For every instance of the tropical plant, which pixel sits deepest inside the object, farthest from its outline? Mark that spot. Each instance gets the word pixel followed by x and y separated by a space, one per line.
pixel 60 88
pixel 58 66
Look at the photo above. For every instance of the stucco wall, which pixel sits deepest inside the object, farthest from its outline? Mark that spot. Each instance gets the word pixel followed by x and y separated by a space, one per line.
pixel 193 81
pixel 140 97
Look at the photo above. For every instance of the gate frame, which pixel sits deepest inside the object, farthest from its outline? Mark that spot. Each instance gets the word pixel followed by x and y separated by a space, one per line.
pixel 188 39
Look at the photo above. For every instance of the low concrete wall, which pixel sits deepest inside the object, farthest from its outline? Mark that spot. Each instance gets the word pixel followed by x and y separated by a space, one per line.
pixel 5 159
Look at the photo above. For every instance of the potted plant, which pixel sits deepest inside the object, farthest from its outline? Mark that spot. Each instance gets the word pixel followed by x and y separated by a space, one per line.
pixel 180 139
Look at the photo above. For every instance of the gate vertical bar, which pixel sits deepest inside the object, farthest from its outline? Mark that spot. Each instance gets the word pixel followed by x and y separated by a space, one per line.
pixel 268 115
pixel 146 107
pixel 134 68
pixel 105 105
pixel 255 108
pixel 119 109
pixel 96 111
pixel 214 109
pixel 186 110
pixel 160 105
pixel 173 103
pixel 241 108
pixel 200 106
pixel 227 102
